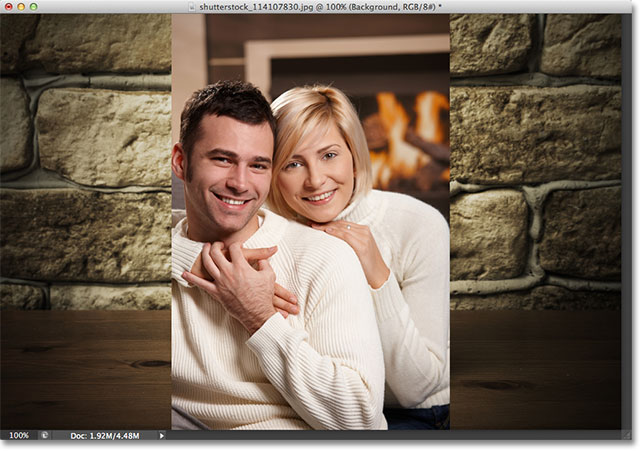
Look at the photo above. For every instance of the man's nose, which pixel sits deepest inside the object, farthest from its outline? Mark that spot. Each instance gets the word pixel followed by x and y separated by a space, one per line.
pixel 237 179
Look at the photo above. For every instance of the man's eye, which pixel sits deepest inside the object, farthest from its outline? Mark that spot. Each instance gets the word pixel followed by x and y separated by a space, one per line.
pixel 261 167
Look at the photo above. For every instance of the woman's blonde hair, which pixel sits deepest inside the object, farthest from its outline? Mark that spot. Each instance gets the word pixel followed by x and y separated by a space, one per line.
pixel 304 111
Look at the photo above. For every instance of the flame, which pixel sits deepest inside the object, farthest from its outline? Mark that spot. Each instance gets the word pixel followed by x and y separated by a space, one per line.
pixel 402 159
pixel 428 124
pixel 444 177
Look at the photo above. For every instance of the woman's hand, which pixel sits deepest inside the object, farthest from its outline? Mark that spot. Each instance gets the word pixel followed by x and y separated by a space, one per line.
pixel 284 301
pixel 359 237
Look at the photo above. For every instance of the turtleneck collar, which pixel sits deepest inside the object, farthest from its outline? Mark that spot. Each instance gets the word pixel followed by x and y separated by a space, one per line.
pixel 272 227
pixel 360 210
pixel 270 232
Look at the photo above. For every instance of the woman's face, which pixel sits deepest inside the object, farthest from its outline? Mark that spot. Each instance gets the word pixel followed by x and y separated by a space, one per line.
pixel 318 178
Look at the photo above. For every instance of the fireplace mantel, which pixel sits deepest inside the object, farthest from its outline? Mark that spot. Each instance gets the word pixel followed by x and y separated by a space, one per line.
pixel 259 54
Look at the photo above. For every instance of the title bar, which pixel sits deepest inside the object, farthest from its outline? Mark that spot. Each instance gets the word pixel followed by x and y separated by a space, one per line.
pixel 311 7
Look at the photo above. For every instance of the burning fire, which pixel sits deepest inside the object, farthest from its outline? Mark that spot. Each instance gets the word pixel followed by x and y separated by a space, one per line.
pixel 428 123
pixel 391 126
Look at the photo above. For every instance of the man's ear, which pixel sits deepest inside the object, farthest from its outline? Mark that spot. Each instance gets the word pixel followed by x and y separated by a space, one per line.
pixel 178 161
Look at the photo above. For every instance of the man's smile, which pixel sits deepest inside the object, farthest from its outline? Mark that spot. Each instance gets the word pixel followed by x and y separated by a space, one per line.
pixel 231 202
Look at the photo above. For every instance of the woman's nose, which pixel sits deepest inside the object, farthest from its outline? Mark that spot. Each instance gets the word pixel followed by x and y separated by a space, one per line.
pixel 315 178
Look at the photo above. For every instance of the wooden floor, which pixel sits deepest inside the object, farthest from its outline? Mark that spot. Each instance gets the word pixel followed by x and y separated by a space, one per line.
pixel 535 370
pixel 111 370
pixel 86 370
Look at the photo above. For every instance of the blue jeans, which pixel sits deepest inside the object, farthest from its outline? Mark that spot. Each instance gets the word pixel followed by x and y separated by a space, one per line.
pixel 436 417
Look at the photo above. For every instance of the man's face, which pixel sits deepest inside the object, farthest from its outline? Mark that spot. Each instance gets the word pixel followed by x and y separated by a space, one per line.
pixel 229 176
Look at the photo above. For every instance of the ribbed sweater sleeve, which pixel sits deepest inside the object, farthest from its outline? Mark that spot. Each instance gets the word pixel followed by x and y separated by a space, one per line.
pixel 416 360
pixel 416 338
pixel 331 373
pixel 412 307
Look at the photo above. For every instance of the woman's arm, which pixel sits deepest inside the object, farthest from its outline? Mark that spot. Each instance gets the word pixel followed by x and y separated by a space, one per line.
pixel 413 313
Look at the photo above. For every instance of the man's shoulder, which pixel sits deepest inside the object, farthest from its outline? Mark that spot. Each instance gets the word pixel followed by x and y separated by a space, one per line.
pixel 314 246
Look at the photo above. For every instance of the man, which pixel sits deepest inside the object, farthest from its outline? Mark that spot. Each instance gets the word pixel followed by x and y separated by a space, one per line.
pixel 236 362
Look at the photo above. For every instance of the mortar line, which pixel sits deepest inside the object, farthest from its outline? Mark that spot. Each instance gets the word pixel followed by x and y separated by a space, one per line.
pixel 583 284
pixel 46 285
pixel 484 287
pixel 480 287
pixel 47 298
pixel 541 22
pixel 456 187
pixel 530 79
pixel 142 284
pixel 130 189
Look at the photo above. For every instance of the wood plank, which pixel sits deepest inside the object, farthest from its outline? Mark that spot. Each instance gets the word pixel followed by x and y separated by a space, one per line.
pixel 87 406
pixel 86 369
pixel 553 325
pixel 535 370
pixel 96 325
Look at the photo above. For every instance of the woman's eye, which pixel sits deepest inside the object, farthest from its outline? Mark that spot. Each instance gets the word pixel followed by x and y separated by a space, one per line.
pixel 292 165
pixel 330 155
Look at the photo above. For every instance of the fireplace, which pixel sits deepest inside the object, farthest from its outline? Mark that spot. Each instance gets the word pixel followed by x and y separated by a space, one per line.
pixel 400 88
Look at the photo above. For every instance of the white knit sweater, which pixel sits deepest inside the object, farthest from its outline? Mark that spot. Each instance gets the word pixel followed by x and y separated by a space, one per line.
pixel 320 369
pixel 412 307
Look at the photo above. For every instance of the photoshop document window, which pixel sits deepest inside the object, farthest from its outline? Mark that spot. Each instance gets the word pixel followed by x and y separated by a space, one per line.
pixel 315 220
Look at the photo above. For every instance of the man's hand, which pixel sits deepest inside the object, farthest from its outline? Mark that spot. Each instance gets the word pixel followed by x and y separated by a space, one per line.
pixel 284 301
pixel 246 293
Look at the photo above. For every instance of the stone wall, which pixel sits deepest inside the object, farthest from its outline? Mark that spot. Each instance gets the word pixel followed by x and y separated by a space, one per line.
pixel 536 161
pixel 84 161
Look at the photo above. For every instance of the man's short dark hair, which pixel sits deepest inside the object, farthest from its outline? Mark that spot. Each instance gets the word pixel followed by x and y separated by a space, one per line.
pixel 236 99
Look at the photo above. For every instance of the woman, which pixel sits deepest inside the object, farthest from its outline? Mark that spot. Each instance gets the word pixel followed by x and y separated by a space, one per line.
pixel 322 177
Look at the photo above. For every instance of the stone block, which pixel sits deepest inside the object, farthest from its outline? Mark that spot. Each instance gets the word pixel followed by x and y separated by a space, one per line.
pixel 75 235
pixel 72 43
pixel 21 297
pixel 15 126
pixel 14 32
pixel 514 135
pixel 106 138
pixel 582 44
pixel 87 297
pixel 546 297
pixel 483 44
pixel 582 234
pixel 488 235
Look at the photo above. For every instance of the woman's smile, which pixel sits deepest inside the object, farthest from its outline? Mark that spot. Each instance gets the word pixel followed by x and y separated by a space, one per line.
pixel 320 199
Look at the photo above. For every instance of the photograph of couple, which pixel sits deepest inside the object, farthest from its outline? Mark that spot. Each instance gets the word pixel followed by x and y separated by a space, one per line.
pixel 302 297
